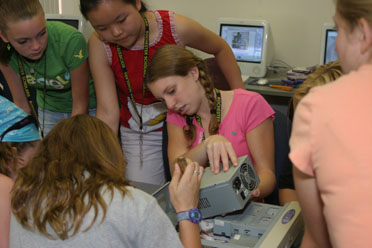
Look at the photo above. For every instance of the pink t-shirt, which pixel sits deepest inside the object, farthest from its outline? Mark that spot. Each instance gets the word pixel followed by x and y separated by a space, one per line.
pixel 248 109
pixel 332 141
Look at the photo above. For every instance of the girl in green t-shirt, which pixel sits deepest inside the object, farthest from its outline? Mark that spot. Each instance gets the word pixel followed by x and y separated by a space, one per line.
pixel 48 56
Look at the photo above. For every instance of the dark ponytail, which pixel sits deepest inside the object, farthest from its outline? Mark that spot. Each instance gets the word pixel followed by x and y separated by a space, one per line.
pixel 89 5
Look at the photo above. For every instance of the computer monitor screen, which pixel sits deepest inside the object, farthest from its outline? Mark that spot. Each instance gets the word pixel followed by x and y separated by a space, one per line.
pixel 251 43
pixel 328 44
pixel 245 41
pixel 72 20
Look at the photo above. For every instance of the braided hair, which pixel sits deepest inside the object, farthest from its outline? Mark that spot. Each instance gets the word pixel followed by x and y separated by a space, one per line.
pixel 173 60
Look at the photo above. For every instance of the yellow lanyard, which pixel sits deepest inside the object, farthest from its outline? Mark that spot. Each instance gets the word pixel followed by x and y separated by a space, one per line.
pixel 216 111
pixel 28 95
pixel 145 62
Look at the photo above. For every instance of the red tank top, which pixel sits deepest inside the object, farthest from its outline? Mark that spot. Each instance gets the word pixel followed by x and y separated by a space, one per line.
pixel 134 62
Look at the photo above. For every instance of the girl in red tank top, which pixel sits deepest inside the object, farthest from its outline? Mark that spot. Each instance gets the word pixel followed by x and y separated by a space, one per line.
pixel 126 37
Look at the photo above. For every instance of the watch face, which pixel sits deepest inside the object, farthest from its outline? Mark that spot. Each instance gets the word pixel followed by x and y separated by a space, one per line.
pixel 195 215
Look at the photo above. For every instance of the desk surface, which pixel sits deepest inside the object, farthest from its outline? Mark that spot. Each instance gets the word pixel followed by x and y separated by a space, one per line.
pixel 266 90
pixel 273 78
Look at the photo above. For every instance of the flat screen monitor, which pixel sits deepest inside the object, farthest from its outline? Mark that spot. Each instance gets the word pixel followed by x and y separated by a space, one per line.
pixel 251 43
pixel 328 44
pixel 72 20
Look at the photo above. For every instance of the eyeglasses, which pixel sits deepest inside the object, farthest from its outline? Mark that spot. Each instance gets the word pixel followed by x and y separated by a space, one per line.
pixel 18 125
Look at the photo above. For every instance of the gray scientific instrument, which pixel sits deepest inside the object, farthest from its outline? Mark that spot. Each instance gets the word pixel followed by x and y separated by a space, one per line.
pixel 259 225
pixel 227 191
pixel 246 224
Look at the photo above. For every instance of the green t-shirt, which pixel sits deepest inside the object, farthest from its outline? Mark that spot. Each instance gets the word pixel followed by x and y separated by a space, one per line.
pixel 66 51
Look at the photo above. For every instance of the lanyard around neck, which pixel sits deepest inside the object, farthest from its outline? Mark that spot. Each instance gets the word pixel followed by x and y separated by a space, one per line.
pixel 27 91
pixel 145 62
pixel 216 111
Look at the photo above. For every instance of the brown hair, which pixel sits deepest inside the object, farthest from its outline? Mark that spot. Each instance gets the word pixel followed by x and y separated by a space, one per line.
pixel 173 60
pixel 322 75
pixel 353 10
pixel 76 162
pixel 13 11
pixel 8 157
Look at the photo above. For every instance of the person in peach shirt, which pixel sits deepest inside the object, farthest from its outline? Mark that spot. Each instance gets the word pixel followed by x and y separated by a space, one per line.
pixel 331 141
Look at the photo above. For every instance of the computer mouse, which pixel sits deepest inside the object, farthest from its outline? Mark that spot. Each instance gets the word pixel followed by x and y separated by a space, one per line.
pixel 262 81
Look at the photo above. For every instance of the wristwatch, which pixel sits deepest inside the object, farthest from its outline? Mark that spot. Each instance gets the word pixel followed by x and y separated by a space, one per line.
pixel 194 215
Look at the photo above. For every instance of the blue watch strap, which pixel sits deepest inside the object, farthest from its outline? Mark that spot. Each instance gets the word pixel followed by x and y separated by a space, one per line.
pixel 194 215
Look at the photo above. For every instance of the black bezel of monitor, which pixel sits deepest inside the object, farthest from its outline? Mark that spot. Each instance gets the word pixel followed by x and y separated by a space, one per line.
pixel 72 22
pixel 327 40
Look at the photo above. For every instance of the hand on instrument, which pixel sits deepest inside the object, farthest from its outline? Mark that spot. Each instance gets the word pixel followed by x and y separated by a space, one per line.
pixel 219 149
pixel 256 193
pixel 184 188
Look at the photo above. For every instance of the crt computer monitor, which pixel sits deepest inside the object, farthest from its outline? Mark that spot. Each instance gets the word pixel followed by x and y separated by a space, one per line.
pixel 251 42
pixel 73 20
pixel 328 44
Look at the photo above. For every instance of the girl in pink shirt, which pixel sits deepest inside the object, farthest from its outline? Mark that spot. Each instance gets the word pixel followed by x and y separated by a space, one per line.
pixel 239 122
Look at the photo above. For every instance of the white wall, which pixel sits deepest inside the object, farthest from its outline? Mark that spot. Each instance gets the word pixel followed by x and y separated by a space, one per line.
pixel 295 24
pixel 71 7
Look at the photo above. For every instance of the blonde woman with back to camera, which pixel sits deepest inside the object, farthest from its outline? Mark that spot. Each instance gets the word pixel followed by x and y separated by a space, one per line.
pixel 332 140
pixel 324 74
pixel 73 193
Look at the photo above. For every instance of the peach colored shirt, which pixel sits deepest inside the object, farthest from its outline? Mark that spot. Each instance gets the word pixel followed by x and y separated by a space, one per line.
pixel 332 141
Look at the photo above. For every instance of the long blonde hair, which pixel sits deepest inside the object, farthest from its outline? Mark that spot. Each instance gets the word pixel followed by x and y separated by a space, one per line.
pixel 76 162
pixel 323 74
pixel 173 60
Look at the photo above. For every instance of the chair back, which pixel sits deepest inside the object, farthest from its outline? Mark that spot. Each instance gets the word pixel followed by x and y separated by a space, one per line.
pixel 282 127
pixel 217 77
